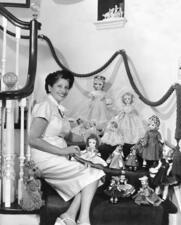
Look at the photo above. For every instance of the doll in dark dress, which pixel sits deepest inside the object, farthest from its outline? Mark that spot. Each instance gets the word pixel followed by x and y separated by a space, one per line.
pixel 161 174
pixel 152 145
pixel 132 159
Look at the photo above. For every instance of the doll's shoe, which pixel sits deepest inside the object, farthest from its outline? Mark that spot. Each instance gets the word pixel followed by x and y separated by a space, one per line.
pixel 62 221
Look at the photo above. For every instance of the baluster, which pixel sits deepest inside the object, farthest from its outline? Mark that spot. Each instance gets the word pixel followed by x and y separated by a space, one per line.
pixel 8 165
pixel 3 60
pixel 22 156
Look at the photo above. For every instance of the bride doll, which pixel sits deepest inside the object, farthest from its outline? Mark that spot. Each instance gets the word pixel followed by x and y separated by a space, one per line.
pixel 129 120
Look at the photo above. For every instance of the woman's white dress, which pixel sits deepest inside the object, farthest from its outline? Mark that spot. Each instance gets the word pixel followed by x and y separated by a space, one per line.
pixel 67 177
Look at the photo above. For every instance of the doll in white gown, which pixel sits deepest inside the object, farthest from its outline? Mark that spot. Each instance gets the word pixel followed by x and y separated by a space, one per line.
pixel 112 134
pixel 129 120
pixel 91 153
pixel 98 109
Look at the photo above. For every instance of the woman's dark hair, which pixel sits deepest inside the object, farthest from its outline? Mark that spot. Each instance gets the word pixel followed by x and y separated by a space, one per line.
pixel 52 78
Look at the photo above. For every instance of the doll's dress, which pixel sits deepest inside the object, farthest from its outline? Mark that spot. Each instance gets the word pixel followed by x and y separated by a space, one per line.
pixel 97 110
pixel 67 177
pixel 132 160
pixel 131 124
pixel 112 136
pixel 176 168
pixel 162 178
pixel 115 160
pixel 147 196
pixel 119 189
pixel 153 148
pixel 92 156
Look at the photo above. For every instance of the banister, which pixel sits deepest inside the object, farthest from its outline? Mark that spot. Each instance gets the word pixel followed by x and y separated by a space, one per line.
pixel 10 17
pixel 33 26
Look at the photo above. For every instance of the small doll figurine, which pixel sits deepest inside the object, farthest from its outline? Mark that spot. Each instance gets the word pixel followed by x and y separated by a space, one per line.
pixel 119 188
pixel 146 195
pixel 112 134
pixel 152 144
pixel 115 160
pixel 129 120
pixel 161 175
pixel 132 160
pixel 91 152
pixel 98 109
pixel 112 189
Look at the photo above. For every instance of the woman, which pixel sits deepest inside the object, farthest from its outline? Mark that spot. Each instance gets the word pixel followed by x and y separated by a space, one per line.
pixel 48 132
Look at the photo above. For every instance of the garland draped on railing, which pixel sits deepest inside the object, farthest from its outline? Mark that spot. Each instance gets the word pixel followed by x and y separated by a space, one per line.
pixel 168 93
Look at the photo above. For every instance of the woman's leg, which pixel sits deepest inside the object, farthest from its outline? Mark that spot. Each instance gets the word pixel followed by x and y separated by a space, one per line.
pixel 73 208
pixel 87 195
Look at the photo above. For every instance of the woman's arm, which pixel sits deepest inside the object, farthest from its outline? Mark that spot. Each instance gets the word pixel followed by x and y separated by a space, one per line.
pixel 35 139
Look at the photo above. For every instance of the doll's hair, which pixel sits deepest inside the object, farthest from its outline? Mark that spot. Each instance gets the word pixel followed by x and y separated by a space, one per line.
pixel 155 120
pixel 100 78
pixel 92 136
pixel 129 94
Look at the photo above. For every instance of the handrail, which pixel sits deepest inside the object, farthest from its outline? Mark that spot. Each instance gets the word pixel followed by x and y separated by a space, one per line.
pixel 10 17
pixel 33 26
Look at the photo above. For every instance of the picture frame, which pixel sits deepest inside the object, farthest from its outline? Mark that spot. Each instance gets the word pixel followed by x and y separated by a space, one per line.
pixel 15 3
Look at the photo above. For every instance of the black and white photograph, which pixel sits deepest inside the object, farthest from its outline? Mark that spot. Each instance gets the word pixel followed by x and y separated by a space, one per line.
pixel 90 112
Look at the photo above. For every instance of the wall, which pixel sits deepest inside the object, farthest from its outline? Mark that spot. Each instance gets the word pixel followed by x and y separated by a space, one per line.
pixel 151 39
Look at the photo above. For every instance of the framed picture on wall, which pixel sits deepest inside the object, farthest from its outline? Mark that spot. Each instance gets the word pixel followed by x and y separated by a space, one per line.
pixel 110 9
pixel 16 3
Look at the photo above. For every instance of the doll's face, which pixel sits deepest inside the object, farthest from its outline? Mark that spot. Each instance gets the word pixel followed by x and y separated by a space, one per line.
pixel 98 85
pixel 167 152
pixel 127 99
pixel 152 125
pixel 92 143
pixel 114 124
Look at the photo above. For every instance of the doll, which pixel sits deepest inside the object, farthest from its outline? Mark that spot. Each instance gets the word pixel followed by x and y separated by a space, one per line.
pixel 132 160
pixel 129 120
pixel 91 152
pixel 83 128
pixel 31 193
pixel 152 142
pixel 112 134
pixel 115 160
pixel 98 109
pixel 119 188
pixel 146 195
pixel 161 175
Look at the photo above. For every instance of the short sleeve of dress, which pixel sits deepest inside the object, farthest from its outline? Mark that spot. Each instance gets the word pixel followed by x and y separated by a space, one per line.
pixel 42 110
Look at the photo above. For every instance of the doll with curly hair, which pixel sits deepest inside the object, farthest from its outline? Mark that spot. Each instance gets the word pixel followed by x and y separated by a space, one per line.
pixel 152 146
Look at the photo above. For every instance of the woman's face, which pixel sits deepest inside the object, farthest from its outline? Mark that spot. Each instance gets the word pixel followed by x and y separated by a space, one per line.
pixel 60 89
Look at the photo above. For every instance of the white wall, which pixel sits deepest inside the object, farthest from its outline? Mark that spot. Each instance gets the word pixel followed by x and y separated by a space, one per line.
pixel 151 39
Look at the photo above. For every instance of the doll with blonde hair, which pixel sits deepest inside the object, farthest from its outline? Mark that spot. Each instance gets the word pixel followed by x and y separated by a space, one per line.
pixel 129 120
pixel 98 108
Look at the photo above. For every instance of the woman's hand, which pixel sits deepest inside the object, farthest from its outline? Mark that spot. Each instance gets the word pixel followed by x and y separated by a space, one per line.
pixel 74 149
